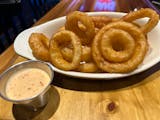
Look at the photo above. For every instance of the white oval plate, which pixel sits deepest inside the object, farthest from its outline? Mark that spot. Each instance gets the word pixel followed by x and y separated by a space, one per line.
pixel 22 48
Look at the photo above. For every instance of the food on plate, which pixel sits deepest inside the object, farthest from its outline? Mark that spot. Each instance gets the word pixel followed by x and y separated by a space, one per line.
pixel 67 53
pixel 61 28
pixel 100 21
pixel 74 20
pixel 117 49
pixel 86 64
pixel 89 67
pixel 98 43
pixel 55 53
pixel 147 12
pixel 39 44
pixel 120 67
pixel 82 27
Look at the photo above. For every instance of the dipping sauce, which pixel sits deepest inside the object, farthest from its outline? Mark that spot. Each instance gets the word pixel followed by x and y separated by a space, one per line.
pixel 26 83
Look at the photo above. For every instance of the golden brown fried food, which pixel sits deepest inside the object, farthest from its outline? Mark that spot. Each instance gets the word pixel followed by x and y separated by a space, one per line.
pixel 130 64
pixel 61 29
pixel 39 44
pixel 67 53
pixel 97 43
pixel 85 33
pixel 147 12
pixel 86 64
pixel 89 67
pixel 117 45
pixel 101 21
pixel 55 52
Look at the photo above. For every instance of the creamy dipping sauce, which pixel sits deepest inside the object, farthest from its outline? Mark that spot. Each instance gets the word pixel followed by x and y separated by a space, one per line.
pixel 26 83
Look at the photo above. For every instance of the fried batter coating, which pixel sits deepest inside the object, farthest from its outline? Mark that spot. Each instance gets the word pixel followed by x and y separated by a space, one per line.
pixel 120 67
pixel 55 52
pixel 39 44
pixel 85 33
pixel 143 12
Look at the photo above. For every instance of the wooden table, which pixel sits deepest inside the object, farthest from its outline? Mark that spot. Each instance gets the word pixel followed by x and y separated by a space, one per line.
pixel 133 98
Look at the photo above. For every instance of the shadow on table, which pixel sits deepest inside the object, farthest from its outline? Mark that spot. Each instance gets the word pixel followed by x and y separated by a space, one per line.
pixel 102 85
pixel 23 113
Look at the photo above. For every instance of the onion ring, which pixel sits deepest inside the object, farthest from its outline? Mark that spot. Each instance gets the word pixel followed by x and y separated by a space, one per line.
pixel 143 12
pixel 133 62
pixel 61 29
pixel 55 52
pixel 100 21
pixel 67 53
pixel 72 23
pixel 121 47
pixel 39 44
pixel 86 64
pixel 88 67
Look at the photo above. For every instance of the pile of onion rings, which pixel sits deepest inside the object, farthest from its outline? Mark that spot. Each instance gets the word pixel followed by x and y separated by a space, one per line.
pixel 96 43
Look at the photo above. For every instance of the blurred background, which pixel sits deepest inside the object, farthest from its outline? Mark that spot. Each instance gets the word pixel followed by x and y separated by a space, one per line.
pixel 17 15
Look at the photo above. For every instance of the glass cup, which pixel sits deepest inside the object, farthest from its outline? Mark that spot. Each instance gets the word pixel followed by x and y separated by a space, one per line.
pixel 34 102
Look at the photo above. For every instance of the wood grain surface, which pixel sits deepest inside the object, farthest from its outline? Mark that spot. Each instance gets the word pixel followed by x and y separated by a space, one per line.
pixel 132 98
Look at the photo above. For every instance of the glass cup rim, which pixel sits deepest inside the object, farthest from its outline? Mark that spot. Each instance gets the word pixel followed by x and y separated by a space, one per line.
pixel 25 62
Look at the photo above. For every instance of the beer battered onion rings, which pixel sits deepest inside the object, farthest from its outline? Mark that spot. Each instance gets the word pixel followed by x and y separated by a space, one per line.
pixel 55 52
pixel 154 18
pixel 96 43
pixel 67 53
pixel 117 49
pixel 86 64
pixel 130 64
pixel 89 67
pixel 100 21
pixel 39 44
pixel 72 24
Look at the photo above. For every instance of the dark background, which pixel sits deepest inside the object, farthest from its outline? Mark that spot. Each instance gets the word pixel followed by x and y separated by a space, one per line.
pixel 17 15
